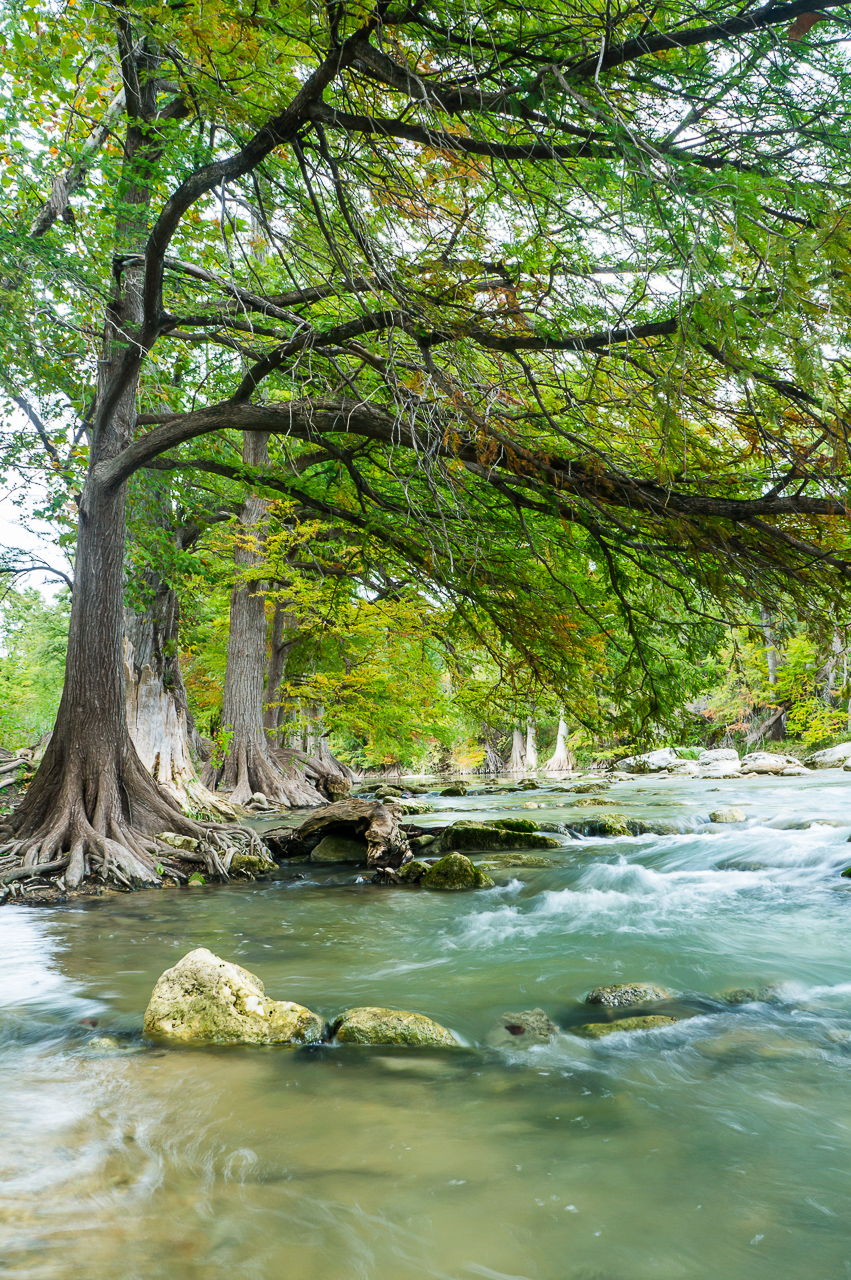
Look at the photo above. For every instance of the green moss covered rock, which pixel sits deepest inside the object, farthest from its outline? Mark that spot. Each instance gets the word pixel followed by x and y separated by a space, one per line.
pixel 513 824
pixel 391 1026
pixel 251 865
pixel 522 1030
pixel 412 872
pixel 454 871
pixel 498 861
pixel 480 837
pixel 209 1000
pixel 597 1030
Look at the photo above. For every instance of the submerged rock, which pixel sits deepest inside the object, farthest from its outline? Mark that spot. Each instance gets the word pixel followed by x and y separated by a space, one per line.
pixel 339 849
pixel 522 1030
pixel 751 995
pixel 513 824
pixel 589 788
pixel 621 993
pixel 498 861
pixel 596 1030
pixel 390 1026
pixel 608 824
pixel 421 842
pixel 483 837
pixel 728 815
pixel 209 1000
pixel 454 791
pixel 454 871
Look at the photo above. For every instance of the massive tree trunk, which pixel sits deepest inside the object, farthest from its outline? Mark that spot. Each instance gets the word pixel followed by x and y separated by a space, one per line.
pixel 247 767
pixel 284 636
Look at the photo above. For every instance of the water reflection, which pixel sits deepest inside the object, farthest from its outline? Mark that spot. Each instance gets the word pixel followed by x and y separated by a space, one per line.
pixel 715 1147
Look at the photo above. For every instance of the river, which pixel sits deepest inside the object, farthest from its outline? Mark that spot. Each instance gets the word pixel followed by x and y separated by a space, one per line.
pixel 715 1149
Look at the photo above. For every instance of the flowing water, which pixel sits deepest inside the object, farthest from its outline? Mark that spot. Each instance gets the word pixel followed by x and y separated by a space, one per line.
pixel 716 1148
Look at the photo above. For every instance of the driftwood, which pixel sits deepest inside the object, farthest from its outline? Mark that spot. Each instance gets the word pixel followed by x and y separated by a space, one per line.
pixel 368 820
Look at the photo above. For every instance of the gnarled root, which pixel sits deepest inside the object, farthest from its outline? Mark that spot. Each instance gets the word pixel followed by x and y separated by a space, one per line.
pixel 114 838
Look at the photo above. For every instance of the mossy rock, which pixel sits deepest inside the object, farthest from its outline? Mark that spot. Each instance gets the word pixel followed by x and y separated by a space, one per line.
pixel 589 788
pixel 513 824
pixel 500 861
pixel 454 791
pixel 618 994
pixel 728 815
pixel 454 871
pixel 410 808
pixel 412 872
pixel 205 999
pixel 339 849
pixel 251 865
pixel 481 838
pixel 609 824
pixel 189 843
pixel 597 1030
pixel 591 802
pixel 391 1026
pixel 639 828
pixel 422 842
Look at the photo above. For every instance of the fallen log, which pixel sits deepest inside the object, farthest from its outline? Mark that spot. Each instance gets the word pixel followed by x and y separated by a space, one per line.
pixel 370 821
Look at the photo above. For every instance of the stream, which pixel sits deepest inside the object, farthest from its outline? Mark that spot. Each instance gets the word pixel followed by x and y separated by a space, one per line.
pixel 718 1148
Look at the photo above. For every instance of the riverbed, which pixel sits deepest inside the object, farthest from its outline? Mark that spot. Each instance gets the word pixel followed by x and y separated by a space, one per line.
pixel 718 1148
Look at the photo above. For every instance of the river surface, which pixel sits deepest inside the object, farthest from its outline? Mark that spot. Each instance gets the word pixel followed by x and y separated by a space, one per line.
pixel 718 1148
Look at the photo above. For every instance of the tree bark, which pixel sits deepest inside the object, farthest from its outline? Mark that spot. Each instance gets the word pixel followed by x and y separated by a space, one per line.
pixel 560 761
pixel 248 767
pixel 284 636
pixel 531 745
pixel 518 752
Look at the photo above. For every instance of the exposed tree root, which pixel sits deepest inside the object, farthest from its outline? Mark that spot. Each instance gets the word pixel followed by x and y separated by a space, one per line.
pixel 248 769
pixel 109 832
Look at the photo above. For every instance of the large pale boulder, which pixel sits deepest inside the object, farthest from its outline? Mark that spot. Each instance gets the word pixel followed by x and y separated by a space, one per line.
pixel 391 1026
pixel 728 815
pixel 207 999
pixel 832 758
pixel 650 762
pixel 715 756
pixel 773 763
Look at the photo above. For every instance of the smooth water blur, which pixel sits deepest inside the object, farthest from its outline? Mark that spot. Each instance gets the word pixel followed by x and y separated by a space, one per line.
pixel 717 1148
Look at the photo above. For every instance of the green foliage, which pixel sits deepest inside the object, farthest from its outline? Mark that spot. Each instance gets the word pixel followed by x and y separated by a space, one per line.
pixel 33 638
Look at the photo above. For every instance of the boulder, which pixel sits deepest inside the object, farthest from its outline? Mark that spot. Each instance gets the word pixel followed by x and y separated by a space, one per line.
pixel 751 995
pixel 522 1030
pixel 412 872
pixel 718 755
pixel 686 768
pixel 189 843
pixel 769 762
pixel 454 871
pixel 650 761
pixel 486 837
pixel 728 815
pixel 339 849
pixel 621 993
pixel 454 791
pixel 597 1030
pixel 513 824
pixel 421 842
pixel 589 788
pixel 831 758
pixel 607 824
pixel 391 1026
pixel 251 865
pixel 209 1000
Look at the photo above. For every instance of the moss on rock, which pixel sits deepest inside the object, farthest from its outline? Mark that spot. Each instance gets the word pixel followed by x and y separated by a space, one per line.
pixel 412 872
pixel 597 1030
pixel 479 837
pixel 501 860
pixel 339 849
pixel 391 1026
pixel 251 864
pixel 209 1000
pixel 454 871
